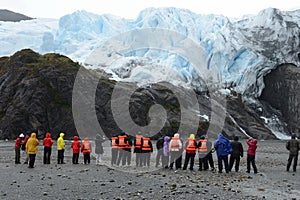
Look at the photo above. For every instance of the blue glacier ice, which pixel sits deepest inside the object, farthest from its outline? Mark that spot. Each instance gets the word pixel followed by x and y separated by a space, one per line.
pixel 238 51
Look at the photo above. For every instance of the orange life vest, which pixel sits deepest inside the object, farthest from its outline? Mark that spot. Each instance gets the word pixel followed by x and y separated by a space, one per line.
pixel 175 144
pixel 138 141
pixel 203 147
pixel 86 147
pixel 146 144
pixel 191 145
pixel 114 145
pixel 122 143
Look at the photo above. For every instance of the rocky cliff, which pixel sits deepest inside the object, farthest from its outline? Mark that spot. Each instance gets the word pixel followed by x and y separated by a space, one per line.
pixel 282 93
pixel 36 93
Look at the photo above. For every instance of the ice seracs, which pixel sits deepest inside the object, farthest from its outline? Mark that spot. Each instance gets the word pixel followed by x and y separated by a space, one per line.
pixel 242 50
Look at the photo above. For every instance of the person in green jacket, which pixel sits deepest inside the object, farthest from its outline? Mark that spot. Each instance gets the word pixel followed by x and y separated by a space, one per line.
pixel 60 149
pixel 32 149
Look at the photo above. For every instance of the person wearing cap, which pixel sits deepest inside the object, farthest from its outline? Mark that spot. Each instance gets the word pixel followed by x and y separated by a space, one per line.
pixel 18 145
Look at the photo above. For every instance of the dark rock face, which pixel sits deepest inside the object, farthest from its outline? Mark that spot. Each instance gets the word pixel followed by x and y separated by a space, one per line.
pixel 37 94
pixel 246 118
pixel 282 93
pixel 6 15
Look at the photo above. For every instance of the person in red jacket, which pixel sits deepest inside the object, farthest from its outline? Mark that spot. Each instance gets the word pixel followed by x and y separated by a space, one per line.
pixel 86 149
pixel 190 148
pixel 252 145
pixel 75 145
pixel 47 142
pixel 18 145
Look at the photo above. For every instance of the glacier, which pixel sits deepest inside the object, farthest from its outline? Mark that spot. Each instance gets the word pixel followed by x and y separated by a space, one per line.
pixel 242 50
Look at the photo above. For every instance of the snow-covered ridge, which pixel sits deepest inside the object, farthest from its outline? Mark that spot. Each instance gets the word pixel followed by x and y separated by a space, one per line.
pixel 244 50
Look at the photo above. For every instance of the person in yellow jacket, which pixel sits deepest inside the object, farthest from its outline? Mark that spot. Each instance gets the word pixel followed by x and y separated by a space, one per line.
pixel 32 149
pixel 60 149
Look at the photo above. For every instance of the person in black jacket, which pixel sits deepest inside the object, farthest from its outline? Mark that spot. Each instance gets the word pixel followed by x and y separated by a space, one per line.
pixel 159 147
pixel 293 146
pixel 237 153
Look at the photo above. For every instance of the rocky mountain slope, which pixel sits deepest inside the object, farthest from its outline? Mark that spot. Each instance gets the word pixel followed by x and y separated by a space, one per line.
pixel 37 93
pixel 50 80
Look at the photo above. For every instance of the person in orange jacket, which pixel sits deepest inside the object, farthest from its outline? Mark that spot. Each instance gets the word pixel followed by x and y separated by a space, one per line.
pixel 75 145
pixel 86 149
pixel 147 149
pixel 190 149
pixel 138 142
pixel 205 151
pixel 47 142
pixel 175 148
pixel 123 144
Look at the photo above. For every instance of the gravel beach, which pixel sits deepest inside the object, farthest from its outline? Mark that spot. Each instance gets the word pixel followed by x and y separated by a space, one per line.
pixel 93 181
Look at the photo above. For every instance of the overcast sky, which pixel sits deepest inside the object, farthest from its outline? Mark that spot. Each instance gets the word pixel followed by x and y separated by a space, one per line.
pixel 131 8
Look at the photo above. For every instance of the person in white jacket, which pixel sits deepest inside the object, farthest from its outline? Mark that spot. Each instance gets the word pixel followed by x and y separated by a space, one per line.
pixel 175 148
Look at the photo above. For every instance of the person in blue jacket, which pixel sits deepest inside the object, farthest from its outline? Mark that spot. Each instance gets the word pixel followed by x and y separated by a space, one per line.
pixel 223 149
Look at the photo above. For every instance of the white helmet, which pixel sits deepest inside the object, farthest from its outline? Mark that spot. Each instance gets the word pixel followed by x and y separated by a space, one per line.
pixel 21 135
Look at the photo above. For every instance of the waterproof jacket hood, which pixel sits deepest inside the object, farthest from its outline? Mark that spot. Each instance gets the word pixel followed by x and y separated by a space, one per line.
pixel 75 145
pixel 32 144
pixel 47 142
pixel 166 139
pixel 166 145
pixel 86 147
pixel 61 142
pixel 223 146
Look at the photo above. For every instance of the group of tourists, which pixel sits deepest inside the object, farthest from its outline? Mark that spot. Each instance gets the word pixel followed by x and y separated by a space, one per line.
pixel 169 151
pixel 30 144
